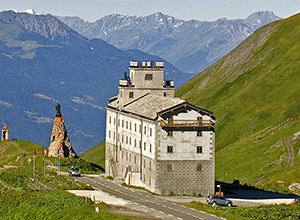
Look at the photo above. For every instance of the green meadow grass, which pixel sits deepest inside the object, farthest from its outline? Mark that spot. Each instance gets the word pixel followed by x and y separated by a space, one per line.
pixel 95 155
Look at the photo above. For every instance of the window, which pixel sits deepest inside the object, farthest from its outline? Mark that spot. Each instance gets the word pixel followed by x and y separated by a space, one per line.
pixel 129 157
pixel 199 150
pixel 134 159
pixel 122 123
pixel 150 148
pixel 199 133
pixel 126 139
pixel 150 132
pixel 134 126
pixel 170 133
pixel 114 135
pixel 150 165
pixel 109 119
pixel 170 149
pixel 109 134
pixel 169 167
pixel 199 120
pixel 144 163
pixel 144 145
pixel 130 141
pixel 199 167
pixel 131 95
pixel 144 178
pixel 145 130
pixel 140 145
pixel 126 124
pixel 135 142
pixel 149 181
pixel 114 121
pixel 122 138
pixel 130 126
pixel 126 155
pixel 148 76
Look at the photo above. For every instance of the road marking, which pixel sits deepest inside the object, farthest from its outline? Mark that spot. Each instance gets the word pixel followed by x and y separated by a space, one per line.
pixel 179 218
pixel 176 210
pixel 182 212
pixel 195 216
pixel 132 190
pixel 144 206
pixel 171 208
pixel 170 215
pixel 164 206
pixel 148 196
pixel 140 194
pixel 183 206
pixel 161 212
pixel 174 203
pixel 188 214
pixel 152 209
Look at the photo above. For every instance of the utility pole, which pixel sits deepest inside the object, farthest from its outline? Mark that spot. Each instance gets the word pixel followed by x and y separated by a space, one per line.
pixel 34 155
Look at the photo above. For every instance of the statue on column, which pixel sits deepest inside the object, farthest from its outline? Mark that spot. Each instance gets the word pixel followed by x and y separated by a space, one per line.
pixel 58 113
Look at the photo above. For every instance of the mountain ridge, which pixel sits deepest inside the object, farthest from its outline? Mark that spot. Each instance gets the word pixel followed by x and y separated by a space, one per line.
pixel 55 64
pixel 190 45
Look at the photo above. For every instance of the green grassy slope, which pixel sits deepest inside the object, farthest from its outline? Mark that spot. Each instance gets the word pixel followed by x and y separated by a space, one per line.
pixel 45 197
pixel 254 87
pixel 95 155
pixel 18 152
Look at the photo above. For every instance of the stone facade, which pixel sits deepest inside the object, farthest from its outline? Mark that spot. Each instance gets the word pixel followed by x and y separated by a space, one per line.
pixel 156 141
pixel 60 140
pixel 5 133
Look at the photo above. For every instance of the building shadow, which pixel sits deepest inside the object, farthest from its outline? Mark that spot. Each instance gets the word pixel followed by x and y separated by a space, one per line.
pixel 237 191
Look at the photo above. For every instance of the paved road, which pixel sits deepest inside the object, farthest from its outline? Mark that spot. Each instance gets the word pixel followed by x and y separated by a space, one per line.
pixel 147 200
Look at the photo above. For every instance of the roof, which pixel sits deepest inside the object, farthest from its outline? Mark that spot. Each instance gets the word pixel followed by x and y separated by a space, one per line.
pixel 150 106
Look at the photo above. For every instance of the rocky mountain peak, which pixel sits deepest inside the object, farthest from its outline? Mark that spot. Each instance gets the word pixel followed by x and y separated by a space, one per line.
pixel 44 25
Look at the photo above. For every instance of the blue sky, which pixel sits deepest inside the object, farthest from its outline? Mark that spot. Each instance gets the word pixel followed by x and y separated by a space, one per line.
pixel 203 10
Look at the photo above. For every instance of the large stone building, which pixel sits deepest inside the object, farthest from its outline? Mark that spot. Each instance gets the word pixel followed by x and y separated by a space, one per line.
pixel 156 141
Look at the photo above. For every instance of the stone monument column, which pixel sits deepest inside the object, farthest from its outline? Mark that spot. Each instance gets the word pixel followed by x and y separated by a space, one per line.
pixel 5 133
pixel 59 138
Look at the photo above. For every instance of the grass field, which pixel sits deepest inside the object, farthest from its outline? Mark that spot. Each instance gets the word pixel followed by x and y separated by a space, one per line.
pixel 23 196
pixel 95 155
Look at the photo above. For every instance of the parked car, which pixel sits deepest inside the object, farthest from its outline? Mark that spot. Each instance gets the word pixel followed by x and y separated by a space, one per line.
pixel 218 200
pixel 74 171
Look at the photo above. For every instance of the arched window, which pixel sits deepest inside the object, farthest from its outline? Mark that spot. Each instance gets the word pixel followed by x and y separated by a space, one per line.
pixel 199 167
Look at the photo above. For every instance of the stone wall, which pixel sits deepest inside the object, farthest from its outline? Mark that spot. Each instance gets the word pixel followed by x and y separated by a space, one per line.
pixel 182 177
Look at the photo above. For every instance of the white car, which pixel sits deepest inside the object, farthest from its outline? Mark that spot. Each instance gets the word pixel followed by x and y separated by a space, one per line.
pixel 74 171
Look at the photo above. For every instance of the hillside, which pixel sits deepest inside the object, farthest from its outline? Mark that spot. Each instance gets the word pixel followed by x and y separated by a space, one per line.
pixel 42 62
pixel 189 45
pixel 18 152
pixel 95 155
pixel 251 89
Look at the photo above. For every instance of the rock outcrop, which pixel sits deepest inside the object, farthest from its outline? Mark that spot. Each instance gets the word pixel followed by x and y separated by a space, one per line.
pixel 60 140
